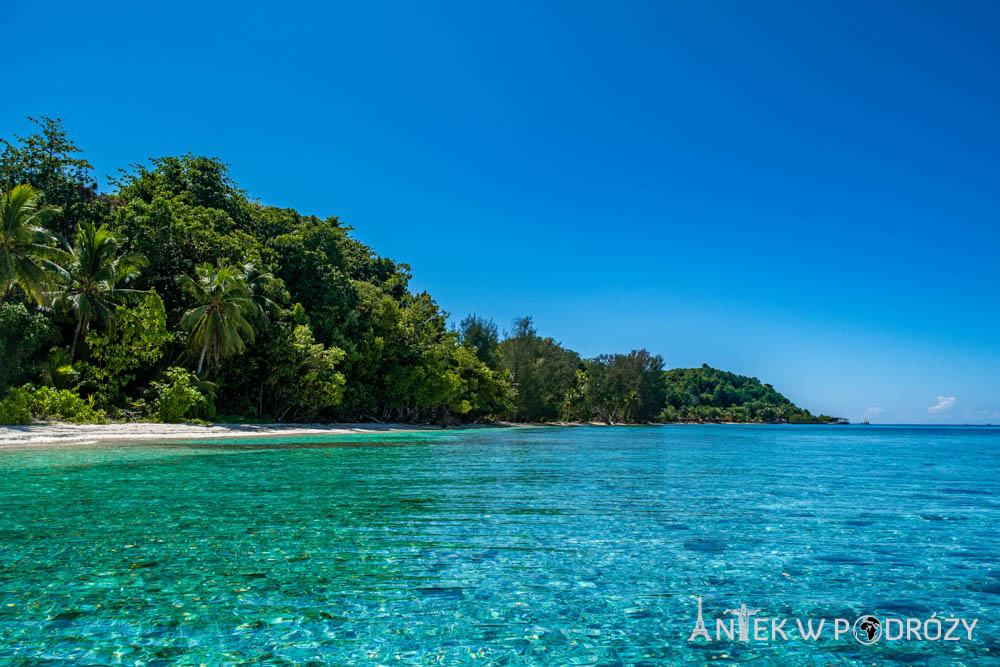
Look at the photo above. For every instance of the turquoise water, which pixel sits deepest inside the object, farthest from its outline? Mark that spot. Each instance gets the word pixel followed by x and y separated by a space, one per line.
pixel 507 546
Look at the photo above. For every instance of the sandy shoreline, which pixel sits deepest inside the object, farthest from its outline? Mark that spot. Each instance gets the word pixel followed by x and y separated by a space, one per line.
pixel 58 433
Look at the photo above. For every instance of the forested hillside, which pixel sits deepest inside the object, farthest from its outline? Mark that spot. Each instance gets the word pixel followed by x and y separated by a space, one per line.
pixel 177 296
pixel 708 394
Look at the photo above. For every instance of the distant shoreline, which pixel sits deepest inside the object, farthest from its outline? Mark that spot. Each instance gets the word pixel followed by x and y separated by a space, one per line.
pixel 58 433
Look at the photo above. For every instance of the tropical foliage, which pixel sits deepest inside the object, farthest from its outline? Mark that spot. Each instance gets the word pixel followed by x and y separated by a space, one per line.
pixel 25 335
pixel 92 278
pixel 177 297
pixel 708 394
pixel 180 397
pixel 22 404
pixel 126 357
pixel 219 326
pixel 27 245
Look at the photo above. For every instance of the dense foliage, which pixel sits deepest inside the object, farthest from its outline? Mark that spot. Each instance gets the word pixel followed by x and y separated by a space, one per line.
pixel 180 398
pixel 177 297
pixel 22 404
pixel 708 394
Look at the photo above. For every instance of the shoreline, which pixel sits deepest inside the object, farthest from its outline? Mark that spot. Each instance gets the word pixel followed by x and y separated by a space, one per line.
pixel 60 433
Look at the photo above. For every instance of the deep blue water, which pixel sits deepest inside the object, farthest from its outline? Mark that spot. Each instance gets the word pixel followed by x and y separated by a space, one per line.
pixel 511 546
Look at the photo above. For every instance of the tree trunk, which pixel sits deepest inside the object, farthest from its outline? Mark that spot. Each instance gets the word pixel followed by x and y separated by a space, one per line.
pixel 76 336
pixel 201 359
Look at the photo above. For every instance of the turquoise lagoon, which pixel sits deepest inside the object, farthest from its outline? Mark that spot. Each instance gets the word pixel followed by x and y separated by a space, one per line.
pixel 498 546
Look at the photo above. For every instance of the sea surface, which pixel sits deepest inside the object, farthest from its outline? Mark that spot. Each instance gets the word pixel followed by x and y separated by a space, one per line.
pixel 546 546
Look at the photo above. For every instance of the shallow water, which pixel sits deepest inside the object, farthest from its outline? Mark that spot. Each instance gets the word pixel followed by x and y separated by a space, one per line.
pixel 510 546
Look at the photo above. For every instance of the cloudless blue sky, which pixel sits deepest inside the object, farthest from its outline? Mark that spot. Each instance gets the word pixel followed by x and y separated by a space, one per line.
pixel 806 192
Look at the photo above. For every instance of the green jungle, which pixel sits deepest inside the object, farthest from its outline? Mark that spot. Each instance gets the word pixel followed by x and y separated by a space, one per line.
pixel 176 297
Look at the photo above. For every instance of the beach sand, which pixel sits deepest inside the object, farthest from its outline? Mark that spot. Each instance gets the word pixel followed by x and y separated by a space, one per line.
pixel 58 433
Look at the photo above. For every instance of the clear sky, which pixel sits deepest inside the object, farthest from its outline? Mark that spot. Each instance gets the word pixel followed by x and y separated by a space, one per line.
pixel 802 191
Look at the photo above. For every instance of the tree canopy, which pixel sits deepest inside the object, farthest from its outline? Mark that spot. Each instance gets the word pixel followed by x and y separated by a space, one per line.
pixel 177 296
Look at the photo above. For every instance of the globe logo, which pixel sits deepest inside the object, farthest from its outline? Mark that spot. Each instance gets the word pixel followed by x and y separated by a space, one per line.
pixel 867 629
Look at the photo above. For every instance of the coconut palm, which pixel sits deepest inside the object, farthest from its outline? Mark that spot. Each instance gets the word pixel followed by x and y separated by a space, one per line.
pixel 92 278
pixel 258 279
pixel 220 325
pixel 28 254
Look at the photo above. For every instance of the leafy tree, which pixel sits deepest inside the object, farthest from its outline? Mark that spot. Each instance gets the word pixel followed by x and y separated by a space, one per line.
pixel 219 326
pixel 127 354
pixel 482 337
pixel 518 346
pixel 48 161
pixel 303 381
pixel 196 181
pixel 324 273
pixel 542 371
pixel 483 393
pixel 626 387
pixel 93 277
pixel 27 247
pixel 180 213
pixel 24 335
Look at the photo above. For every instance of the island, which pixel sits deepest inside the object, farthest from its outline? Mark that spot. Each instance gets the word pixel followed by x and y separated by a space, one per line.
pixel 177 297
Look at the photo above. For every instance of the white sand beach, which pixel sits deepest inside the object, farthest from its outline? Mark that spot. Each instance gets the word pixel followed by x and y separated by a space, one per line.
pixel 58 433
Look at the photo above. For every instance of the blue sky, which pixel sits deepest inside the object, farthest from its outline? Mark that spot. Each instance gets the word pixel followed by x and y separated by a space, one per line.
pixel 806 192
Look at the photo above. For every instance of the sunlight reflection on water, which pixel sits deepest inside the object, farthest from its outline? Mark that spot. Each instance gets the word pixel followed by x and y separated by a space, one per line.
pixel 573 545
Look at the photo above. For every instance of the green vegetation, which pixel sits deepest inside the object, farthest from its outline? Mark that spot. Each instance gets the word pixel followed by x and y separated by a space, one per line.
pixel 180 398
pixel 541 372
pixel 708 394
pixel 220 324
pixel 177 297
pixel 27 246
pixel 91 278
pixel 22 404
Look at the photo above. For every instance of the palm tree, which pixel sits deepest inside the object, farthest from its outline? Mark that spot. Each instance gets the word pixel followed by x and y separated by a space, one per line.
pixel 219 326
pixel 28 254
pixel 258 279
pixel 92 277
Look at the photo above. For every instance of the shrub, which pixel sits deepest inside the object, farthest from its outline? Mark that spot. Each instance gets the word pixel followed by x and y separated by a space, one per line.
pixel 58 371
pixel 670 414
pixel 15 408
pixel 180 398
pixel 22 404
pixel 66 405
